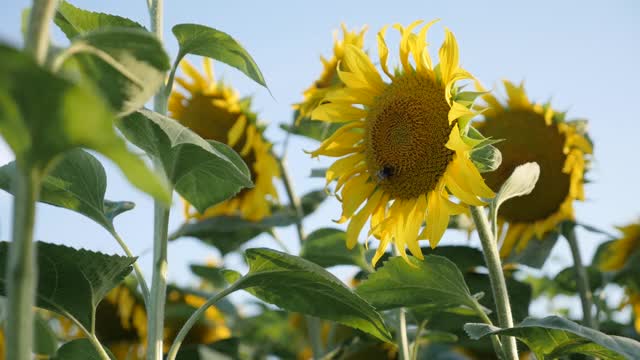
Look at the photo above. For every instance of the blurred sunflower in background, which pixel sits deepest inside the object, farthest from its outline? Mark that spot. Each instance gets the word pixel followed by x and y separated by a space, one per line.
pixel 404 146
pixel 329 79
pixel 620 256
pixel 215 111
pixel 535 132
pixel 126 337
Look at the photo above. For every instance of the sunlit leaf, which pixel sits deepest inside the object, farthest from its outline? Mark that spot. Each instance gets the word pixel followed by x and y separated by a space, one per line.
pixel 521 182
pixel 68 117
pixel 128 65
pixel 205 41
pixel 435 280
pixel 203 172
pixel 298 285
pixel 74 21
pixel 554 337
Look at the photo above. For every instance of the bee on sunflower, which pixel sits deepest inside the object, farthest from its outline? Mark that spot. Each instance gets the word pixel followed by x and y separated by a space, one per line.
pixel 404 145
pixel 215 111
pixel 329 79
pixel 535 133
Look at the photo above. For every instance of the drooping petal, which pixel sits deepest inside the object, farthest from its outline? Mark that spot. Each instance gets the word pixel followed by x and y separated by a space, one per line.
pixel 237 130
pixel 337 113
pixel 355 192
pixel 449 57
pixel 357 222
pixel 383 52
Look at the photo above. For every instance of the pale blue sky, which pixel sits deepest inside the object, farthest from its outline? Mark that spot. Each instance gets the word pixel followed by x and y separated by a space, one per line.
pixel 581 54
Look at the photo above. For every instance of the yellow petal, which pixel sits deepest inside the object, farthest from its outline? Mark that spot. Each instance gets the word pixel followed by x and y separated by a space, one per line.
pixel 251 134
pixel 349 96
pixel 404 43
pixel 457 111
pixel 354 193
pixel 337 113
pixel 449 57
pixel 383 52
pixel 420 51
pixel 237 130
pixel 437 218
pixel 341 166
pixel 357 222
pixel 360 65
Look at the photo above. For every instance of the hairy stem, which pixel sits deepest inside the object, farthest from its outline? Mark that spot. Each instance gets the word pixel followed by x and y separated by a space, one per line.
pixel 158 291
pixel 582 278
pixel 22 268
pixel 498 283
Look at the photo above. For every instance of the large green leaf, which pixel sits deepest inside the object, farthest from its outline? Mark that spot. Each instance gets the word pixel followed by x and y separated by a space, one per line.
pixel 45 340
pixel 72 282
pixel 74 21
pixel 327 247
pixel 117 54
pixel 436 280
pixel 227 233
pixel 79 349
pixel 78 183
pixel 202 172
pixel 298 285
pixel 554 337
pixel 205 41
pixel 128 65
pixel 40 128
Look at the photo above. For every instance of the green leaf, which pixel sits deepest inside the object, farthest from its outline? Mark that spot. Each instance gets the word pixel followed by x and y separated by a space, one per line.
pixel 554 337
pixel 536 251
pixel 565 280
pixel 211 274
pixel 313 129
pixel 74 21
pixel 45 340
pixel 72 282
pixel 436 280
pixel 466 258
pixel 79 349
pixel 78 183
pixel 228 233
pixel 70 116
pixel 486 158
pixel 203 172
pixel 298 285
pixel 205 41
pixel 520 183
pixel 327 247
pixel 128 65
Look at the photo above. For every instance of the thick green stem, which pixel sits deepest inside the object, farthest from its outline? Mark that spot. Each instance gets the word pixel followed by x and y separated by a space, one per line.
pixel 496 276
pixel 158 283
pixel 582 278
pixel 294 200
pixel 37 41
pixel 21 267
pixel 173 351
pixel 403 339
pixel 158 291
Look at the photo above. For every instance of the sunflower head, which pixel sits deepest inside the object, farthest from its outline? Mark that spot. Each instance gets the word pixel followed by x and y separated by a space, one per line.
pixel 329 78
pixel 214 111
pixel 404 146
pixel 535 132
pixel 621 250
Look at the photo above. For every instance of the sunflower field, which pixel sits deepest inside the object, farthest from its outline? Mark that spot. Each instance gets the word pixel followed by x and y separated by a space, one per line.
pixel 408 199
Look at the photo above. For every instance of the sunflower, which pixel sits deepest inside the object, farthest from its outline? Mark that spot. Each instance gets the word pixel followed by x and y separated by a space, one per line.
pixel 616 255
pixel 215 112
pixel 535 132
pixel 329 79
pixel 404 147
